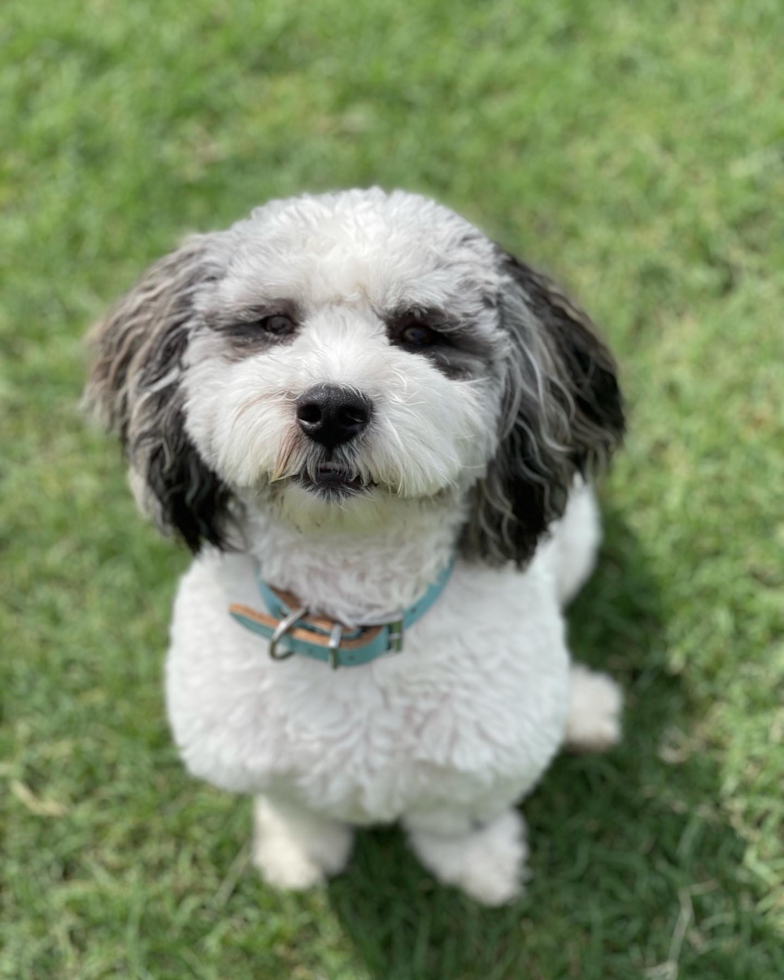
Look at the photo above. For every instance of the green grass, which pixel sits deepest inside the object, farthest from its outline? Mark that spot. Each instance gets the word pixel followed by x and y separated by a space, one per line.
pixel 634 149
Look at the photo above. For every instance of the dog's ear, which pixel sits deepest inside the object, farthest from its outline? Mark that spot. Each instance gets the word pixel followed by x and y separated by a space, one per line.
pixel 135 390
pixel 562 415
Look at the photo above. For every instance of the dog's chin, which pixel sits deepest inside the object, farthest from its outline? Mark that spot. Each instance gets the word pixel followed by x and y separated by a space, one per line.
pixel 355 497
pixel 329 499
pixel 316 503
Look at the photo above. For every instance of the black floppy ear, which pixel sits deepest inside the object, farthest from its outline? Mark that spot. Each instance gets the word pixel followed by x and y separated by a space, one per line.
pixel 135 390
pixel 562 416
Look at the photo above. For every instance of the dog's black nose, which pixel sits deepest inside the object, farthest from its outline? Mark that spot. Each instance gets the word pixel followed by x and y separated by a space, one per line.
pixel 332 414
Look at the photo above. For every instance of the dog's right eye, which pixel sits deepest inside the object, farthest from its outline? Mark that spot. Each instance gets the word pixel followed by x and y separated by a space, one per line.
pixel 418 336
pixel 278 325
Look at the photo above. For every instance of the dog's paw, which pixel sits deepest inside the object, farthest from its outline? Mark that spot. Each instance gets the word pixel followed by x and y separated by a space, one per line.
pixel 295 850
pixel 285 867
pixel 594 723
pixel 488 864
pixel 494 871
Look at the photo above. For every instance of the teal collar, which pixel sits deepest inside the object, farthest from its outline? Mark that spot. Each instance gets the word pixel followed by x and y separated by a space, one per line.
pixel 291 629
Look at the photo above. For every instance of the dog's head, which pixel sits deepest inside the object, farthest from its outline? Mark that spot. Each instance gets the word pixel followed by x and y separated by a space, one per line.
pixel 341 357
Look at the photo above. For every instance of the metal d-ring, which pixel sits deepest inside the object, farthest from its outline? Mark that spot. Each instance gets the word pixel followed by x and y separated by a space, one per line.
pixel 280 631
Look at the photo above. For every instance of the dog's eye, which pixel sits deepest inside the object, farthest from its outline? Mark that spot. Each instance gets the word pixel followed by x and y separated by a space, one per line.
pixel 277 324
pixel 418 335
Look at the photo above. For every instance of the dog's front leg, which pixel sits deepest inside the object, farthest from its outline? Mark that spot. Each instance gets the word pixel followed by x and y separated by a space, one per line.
pixel 486 860
pixel 295 849
pixel 595 703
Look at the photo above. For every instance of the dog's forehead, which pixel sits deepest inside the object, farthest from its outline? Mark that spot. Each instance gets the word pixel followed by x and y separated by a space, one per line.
pixel 359 246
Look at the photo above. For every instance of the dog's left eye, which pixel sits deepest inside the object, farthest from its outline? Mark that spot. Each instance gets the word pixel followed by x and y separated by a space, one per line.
pixel 277 324
pixel 418 335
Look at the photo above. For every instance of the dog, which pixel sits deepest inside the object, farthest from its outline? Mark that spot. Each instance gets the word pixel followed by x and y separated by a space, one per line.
pixel 377 431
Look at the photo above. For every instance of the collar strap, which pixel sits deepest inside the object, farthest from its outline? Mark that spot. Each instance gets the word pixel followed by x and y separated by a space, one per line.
pixel 291 629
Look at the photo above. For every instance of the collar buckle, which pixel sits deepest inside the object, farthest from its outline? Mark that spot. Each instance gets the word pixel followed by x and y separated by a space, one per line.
pixel 283 627
pixel 334 646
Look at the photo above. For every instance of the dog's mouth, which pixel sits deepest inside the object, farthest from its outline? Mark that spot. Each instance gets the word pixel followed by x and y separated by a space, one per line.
pixel 331 479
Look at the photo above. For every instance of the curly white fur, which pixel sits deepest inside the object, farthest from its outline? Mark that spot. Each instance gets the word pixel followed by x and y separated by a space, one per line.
pixel 477 444
pixel 446 736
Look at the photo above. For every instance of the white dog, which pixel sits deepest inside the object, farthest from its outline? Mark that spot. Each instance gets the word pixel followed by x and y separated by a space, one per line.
pixel 381 426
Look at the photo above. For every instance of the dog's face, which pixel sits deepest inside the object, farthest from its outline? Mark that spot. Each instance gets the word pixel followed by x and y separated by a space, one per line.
pixel 349 356
pixel 339 358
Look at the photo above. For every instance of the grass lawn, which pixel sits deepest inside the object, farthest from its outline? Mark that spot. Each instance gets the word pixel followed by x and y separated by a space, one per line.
pixel 636 150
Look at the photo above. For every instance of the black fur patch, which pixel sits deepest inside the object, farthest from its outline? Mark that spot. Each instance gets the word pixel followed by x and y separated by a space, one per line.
pixel 192 499
pixel 588 363
pixel 569 418
pixel 135 388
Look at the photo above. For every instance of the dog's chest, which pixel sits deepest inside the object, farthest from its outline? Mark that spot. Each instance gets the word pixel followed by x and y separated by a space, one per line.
pixel 472 709
pixel 382 745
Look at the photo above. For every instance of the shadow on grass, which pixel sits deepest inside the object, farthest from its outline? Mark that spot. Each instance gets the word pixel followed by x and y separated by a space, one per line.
pixel 635 872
